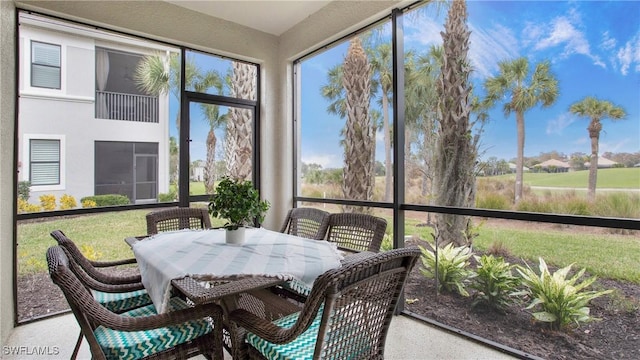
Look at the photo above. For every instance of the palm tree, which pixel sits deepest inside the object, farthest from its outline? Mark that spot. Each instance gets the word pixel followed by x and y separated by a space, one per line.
pixel 521 91
pixel 380 57
pixel 595 110
pixel 216 120
pixel 456 154
pixel 239 144
pixel 154 76
pixel 359 140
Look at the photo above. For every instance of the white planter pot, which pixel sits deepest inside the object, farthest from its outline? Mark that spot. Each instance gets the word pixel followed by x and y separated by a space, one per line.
pixel 235 237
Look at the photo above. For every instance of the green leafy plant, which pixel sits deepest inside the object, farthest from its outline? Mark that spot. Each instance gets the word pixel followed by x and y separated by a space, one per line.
pixel 238 202
pixel 24 189
pixel 451 267
pixel 107 200
pixel 494 283
pixel 562 301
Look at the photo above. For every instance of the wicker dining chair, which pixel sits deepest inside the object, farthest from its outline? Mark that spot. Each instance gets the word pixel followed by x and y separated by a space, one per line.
pixel 116 293
pixel 140 333
pixel 356 232
pixel 346 316
pixel 177 219
pixel 310 223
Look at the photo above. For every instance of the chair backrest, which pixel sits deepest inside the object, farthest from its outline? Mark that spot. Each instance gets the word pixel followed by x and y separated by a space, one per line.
pixel 84 307
pixel 306 222
pixel 357 302
pixel 356 232
pixel 90 314
pixel 87 265
pixel 177 219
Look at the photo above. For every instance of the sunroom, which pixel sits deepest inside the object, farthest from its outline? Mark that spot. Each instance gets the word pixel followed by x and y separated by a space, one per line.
pixel 82 129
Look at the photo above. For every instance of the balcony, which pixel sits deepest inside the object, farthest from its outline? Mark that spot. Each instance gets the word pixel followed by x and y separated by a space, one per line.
pixel 55 337
pixel 127 107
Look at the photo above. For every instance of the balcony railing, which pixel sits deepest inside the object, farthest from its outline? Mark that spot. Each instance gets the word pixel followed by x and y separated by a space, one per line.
pixel 128 107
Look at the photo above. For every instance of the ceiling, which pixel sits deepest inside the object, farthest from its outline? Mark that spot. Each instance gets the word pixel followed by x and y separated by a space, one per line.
pixel 273 17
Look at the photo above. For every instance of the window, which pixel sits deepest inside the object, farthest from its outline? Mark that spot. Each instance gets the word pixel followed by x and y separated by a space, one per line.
pixel 45 65
pixel 45 162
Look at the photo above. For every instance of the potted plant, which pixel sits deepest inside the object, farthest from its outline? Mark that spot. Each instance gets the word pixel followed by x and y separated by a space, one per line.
pixel 239 203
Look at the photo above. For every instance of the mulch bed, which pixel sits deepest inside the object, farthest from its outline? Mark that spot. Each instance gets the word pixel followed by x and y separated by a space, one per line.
pixel 615 336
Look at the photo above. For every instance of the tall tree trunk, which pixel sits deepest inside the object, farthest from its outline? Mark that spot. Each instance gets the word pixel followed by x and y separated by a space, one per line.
pixel 455 160
pixel 359 140
pixel 520 156
pixel 210 166
pixel 239 145
pixel 594 133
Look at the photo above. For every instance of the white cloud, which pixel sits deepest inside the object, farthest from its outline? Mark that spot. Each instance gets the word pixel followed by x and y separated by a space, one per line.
pixel 564 33
pixel 557 125
pixel 488 47
pixel 327 161
pixel 628 56
pixel 614 147
pixel 607 43
pixel 428 33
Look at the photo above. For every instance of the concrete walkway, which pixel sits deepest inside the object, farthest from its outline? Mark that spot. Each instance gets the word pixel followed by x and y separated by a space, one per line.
pixel 408 339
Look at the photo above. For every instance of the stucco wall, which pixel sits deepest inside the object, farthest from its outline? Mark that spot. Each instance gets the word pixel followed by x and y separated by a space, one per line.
pixel 7 207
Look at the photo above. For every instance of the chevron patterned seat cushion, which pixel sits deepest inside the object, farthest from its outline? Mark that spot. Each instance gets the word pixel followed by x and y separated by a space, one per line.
pixel 119 302
pixel 138 344
pixel 301 348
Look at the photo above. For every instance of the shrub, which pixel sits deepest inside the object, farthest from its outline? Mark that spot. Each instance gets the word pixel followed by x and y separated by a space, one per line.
pixel 107 200
pixel 48 202
pixel 562 301
pixel 534 205
pixel 167 197
pixel 24 190
pixel 387 242
pixel 624 205
pixel 494 282
pixel 87 203
pixel 67 202
pixel 498 248
pixel 452 272
pixel 493 201
pixel 25 207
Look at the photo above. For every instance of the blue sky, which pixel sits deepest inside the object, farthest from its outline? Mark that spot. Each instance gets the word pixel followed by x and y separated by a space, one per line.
pixel 593 47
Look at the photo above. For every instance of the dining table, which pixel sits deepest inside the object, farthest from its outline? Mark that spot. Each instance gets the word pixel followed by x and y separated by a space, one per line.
pixel 203 254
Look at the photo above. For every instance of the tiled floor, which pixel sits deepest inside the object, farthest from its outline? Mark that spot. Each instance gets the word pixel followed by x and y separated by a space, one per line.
pixel 408 339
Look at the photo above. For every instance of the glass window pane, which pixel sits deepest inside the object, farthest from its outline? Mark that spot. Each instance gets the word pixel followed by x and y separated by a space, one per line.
pixel 45 76
pixel 346 117
pixel 45 54
pixel 215 75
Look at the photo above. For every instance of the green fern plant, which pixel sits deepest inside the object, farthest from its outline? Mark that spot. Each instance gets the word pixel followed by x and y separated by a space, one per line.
pixel 562 300
pixel 453 272
pixel 494 283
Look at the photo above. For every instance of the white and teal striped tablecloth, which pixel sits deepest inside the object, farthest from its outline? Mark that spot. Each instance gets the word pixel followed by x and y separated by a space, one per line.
pixel 175 254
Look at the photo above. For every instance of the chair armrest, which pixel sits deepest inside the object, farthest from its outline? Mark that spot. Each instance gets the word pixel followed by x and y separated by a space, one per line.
pixel 264 328
pixel 102 264
pixel 130 323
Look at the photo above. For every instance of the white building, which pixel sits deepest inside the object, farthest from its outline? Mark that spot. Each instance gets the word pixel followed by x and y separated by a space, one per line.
pixel 78 95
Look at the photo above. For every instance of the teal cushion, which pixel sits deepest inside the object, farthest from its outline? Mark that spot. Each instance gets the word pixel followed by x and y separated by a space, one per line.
pixel 301 348
pixel 119 302
pixel 138 344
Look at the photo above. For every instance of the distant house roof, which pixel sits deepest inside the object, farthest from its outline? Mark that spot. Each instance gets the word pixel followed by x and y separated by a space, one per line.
pixel 554 162
pixel 603 162
pixel 512 166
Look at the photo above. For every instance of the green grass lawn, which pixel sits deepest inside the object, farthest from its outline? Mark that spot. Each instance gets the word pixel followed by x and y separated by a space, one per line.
pixel 101 237
pixel 618 178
